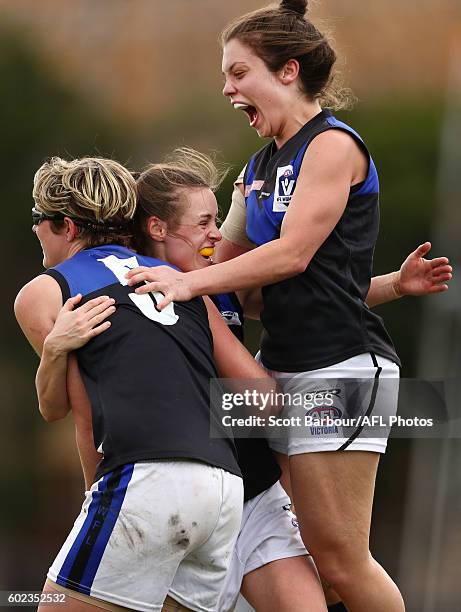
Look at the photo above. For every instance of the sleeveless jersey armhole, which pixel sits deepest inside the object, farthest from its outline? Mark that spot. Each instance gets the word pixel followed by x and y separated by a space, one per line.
pixel 64 286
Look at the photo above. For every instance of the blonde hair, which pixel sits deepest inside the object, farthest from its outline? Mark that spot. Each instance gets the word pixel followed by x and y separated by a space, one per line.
pixel 98 194
pixel 161 187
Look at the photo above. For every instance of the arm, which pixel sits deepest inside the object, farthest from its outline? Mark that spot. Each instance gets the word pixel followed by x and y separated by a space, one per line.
pixel 417 276
pixel 330 166
pixel 89 457
pixel 234 243
pixel 72 330
pixel 231 357
pixel 233 361
pixel 36 308
pixel 226 250
pixel 252 302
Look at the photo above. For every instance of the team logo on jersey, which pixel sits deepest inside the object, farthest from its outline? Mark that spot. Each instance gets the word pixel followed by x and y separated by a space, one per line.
pixel 285 184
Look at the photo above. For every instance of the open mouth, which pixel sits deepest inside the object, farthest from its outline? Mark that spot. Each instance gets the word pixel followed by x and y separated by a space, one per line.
pixel 249 110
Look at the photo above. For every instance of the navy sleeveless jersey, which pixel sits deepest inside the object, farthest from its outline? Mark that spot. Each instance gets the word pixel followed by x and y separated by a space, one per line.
pixel 259 468
pixel 319 317
pixel 148 375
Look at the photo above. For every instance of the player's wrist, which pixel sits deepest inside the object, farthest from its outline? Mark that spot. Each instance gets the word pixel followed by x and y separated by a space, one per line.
pixel 396 285
pixel 53 349
pixel 196 284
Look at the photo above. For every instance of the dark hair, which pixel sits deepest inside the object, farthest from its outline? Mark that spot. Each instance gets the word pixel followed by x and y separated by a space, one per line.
pixel 280 33
pixel 294 6
pixel 161 188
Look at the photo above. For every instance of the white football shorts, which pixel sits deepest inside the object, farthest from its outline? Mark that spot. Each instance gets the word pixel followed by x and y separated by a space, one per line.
pixel 345 406
pixel 269 532
pixel 150 529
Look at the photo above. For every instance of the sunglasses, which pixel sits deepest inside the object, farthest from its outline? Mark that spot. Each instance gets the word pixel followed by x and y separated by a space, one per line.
pixel 38 216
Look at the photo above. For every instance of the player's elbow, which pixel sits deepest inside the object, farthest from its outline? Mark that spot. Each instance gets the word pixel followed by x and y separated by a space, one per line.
pixel 288 265
pixel 300 264
pixel 294 257
pixel 52 413
pixel 50 417
pixel 295 264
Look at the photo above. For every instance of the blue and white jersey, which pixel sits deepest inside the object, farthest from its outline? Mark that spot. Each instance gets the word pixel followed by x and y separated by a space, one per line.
pixel 148 375
pixel 318 317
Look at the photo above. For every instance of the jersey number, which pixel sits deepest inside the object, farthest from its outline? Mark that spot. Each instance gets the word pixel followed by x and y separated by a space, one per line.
pixel 146 302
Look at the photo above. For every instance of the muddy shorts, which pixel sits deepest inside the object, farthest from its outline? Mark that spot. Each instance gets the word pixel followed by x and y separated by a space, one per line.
pixel 151 529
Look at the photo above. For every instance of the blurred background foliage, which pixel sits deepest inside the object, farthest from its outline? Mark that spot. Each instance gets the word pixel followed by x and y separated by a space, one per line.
pixel 46 114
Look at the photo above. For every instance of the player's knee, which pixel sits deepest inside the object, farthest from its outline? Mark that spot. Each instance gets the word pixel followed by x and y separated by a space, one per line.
pixel 342 563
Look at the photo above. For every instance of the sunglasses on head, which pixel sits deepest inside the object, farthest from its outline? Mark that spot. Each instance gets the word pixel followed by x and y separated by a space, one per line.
pixel 38 216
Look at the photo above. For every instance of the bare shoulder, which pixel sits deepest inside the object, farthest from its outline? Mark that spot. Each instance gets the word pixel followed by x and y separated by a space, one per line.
pixel 40 290
pixel 36 308
pixel 335 152
pixel 334 140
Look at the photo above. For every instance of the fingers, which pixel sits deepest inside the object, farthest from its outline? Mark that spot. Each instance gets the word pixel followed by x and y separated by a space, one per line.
pixel 99 329
pixel 423 249
pixel 440 261
pixel 140 274
pixel 138 278
pixel 135 271
pixel 72 302
pixel 438 288
pixel 441 270
pixel 100 317
pixel 103 300
pixel 143 273
pixel 157 287
pixel 148 287
pixel 91 315
pixel 166 300
pixel 441 278
pixel 106 308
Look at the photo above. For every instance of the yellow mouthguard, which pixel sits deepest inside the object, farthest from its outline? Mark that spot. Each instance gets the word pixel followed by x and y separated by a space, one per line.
pixel 207 251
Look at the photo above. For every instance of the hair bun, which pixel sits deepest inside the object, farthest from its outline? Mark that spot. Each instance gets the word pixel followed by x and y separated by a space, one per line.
pixel 294 6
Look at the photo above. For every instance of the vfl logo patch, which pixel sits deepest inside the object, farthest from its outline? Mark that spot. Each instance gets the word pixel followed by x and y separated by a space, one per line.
pixel 285 184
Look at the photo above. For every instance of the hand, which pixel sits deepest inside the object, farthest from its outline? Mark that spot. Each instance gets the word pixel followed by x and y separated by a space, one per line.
pixel 419 276
pixel 74 328
pixel 173 284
